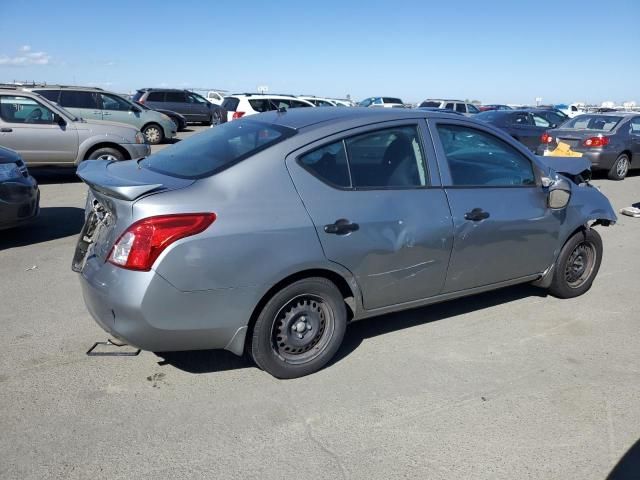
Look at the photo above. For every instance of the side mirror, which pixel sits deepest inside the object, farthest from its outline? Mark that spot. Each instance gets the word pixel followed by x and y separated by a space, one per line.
pixel 554 125
pixel 559 192
pixel 135 109
pixel 59 119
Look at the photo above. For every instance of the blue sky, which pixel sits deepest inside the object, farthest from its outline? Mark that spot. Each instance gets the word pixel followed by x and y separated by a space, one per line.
pixel 493 51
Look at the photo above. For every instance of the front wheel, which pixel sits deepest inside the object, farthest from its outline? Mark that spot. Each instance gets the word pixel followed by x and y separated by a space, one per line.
pixel 106 154
pixel 153 133
pixel 577 265
pixel 299 329
pixel 620 168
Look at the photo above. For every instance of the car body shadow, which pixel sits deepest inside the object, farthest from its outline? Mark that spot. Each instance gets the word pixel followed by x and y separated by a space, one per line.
pixel 628 468
pixel 210 361
pixel 52 223
pixel 54 175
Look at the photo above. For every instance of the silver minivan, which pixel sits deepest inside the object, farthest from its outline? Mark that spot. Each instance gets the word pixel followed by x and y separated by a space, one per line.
pixel 97 104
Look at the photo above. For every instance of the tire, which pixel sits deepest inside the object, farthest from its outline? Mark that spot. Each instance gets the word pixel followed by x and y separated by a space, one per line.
pixel 106 153
pixel 299 329
pixel 620 167
pixel 153 133
pixel 216 118
pixel 577 265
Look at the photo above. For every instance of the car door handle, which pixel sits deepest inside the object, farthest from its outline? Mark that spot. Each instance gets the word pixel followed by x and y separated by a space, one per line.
pixel 106 113
pixel 6 130
pixel 341 227
pixel 476 215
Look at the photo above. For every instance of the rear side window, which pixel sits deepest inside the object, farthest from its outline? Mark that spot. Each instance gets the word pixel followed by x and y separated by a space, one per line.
pixel 230 104
pixel 262 105
pixel 329 164
pixel 461 107
pixel 299 104
pixel 177 97
pixel 386 159
pixel 155 97
pixel 76 99
pixel 449 106
pixel 520 119
pixel 430 104
pixel 51 95
pixel 216 149
pixel 480 159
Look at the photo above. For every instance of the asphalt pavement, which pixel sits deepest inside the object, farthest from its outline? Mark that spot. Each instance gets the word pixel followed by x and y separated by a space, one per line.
pixel 511 384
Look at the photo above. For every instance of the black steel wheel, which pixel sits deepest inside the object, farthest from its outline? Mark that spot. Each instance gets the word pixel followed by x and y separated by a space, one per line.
pixel 299 329
pixel 577 265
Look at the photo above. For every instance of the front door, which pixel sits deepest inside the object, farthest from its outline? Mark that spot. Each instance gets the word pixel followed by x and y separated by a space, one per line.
pixel 116 109
pixel 503 228
pixel 32 129
pixel 377 214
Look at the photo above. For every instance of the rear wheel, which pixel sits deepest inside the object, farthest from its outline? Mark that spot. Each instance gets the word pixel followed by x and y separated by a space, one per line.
pixel 216 118
pixel 578 265
pixel 153 133
pixel 106 154
pixel 299 329
pixel 620 168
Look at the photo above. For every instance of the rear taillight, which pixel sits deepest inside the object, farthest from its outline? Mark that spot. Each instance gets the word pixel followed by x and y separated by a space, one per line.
pixel 546 138
pixel 596 142
pixel 143 242
pixel 237 115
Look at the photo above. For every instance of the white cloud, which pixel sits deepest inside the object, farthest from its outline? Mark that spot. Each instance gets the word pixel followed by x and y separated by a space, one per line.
pixel 26 57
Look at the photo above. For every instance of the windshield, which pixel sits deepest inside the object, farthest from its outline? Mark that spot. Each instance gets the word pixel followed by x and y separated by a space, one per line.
pixel 603 123
pixel 218 148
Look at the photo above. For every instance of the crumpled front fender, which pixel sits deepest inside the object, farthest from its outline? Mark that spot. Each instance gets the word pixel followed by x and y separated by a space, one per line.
pixel 592 205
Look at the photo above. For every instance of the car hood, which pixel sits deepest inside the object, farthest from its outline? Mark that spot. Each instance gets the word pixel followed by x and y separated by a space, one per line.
pixel 8 156
pixel 567 165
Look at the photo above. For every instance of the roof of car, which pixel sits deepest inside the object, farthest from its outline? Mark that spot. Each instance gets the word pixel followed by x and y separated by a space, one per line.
pixel 299 118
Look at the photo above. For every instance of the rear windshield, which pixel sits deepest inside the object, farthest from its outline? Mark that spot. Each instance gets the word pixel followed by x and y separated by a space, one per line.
pixel 430 104
pixel 230 104
pixel 604 123
pixel 218 148
pixel 391 100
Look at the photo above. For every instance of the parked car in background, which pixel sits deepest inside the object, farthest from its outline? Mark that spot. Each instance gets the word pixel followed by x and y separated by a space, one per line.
pixel 19 193
pixel 179 120
pixel 610 141
pixel 240 105
pixel 343 102
pixel 45 134
pixel 572 110
pixel 459 106
pixel 96 104
pixel 523 125
pixel 320 102
pixel 486 108
pixel 552 115
pixel 195 108
pixel 216 96
pixel 269 234
pixel 382 102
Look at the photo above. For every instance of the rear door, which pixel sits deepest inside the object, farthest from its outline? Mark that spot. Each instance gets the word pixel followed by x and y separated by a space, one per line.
pixel 81 103
pixel 381 214
pixel 177 101
pixel 502 226
pixel 634 134
pixel 30 128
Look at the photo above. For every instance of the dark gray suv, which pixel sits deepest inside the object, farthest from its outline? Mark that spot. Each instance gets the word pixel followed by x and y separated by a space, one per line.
pixel 195 108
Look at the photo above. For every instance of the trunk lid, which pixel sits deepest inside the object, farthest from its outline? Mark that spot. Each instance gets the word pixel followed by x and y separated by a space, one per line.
pixel 114 187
